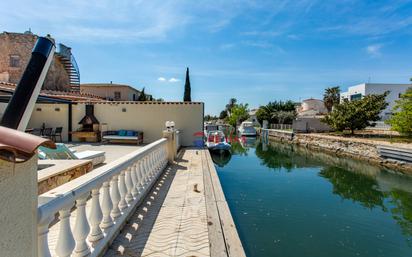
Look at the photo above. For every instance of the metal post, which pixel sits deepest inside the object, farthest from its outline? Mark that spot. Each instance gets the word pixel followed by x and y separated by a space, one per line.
pixel 20 107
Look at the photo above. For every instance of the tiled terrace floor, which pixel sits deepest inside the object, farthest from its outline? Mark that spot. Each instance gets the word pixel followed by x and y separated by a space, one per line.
pixel 185 214
pixel 172 221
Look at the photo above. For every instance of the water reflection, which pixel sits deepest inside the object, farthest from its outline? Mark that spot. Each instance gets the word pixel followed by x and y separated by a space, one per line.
pixel 353 180
pixel 221 158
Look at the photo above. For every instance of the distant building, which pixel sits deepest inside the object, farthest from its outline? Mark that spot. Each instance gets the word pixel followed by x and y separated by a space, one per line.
pixel 311 107
pixel 112 92
pixel 361 90
pixel 253 117
pixel 15 53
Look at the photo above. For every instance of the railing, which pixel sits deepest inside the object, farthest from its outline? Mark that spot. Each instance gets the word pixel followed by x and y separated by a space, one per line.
pixel 111 194
pixel 281 126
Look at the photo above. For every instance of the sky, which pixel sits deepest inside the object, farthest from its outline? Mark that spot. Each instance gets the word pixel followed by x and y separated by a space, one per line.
pixel 254 51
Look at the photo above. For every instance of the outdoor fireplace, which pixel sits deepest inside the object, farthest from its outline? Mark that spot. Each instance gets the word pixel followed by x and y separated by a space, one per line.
pixel 89 126
pixel 89 123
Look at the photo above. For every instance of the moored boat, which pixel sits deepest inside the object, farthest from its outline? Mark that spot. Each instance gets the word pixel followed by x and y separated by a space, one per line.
pixel 216 141
pixel 247 129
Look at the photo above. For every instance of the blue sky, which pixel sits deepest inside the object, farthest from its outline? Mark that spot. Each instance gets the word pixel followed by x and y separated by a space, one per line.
pixel 255 51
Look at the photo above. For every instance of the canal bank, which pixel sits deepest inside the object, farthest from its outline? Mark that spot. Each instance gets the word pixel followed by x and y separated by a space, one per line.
pixel 357 148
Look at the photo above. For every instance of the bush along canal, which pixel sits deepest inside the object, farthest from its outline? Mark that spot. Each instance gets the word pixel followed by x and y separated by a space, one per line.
pixel 290 201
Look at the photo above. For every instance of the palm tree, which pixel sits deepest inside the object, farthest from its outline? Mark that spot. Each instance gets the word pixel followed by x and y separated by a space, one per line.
pixel 331 97
pixel 230 105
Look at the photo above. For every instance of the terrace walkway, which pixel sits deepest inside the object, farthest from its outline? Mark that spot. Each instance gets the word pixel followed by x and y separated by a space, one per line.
pixel 185 214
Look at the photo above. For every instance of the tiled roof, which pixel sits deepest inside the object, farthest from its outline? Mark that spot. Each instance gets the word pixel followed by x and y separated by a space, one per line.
pixel 67 95
pixel 17 146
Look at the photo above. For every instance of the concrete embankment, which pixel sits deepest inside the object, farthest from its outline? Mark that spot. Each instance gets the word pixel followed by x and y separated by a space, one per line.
pixel 358 148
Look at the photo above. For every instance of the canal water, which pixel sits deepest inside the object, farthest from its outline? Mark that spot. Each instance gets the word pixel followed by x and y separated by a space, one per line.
pixel 288 201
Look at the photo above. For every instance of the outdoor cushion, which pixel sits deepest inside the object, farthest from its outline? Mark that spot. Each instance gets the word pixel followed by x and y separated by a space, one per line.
pixel 122 132
pixel 130 133
pixel 120 137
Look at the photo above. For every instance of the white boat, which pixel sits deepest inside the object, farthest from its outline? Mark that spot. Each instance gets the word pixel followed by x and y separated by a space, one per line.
pixel 216 141
pixel 246 129
pixel 210 127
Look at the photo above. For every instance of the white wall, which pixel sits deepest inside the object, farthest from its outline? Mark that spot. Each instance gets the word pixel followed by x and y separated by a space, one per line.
pixel 376 88
pixel 18 212
pixel 394 91
pixel 149 117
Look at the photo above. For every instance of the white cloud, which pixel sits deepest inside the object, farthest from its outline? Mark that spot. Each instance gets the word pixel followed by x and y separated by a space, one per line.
pixel 374 50
pixel 161 79
pixel 173 80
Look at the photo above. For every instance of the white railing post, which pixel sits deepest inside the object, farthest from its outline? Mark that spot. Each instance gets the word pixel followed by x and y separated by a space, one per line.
pixel 42 235
pixel 65 242
pixel 107 206
pixel 129 185
pixel 81 228
pixel 135 189
pixel 115 195
pixel 122 190
pixel 95 217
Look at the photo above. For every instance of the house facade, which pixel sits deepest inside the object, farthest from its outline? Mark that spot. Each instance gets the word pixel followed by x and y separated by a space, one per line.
pixel 358 91
pixel 15 53
pixel 311 107
pixel 111 92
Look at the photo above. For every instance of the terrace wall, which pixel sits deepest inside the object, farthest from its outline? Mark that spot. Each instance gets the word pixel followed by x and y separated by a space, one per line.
pixel 149 117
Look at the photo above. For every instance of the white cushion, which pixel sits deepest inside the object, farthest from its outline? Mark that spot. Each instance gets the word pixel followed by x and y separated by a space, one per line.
pixel 114 137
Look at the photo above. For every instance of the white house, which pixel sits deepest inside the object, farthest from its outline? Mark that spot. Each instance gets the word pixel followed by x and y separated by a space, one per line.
pixel 358 91
pixel 311 107
pixel 253 118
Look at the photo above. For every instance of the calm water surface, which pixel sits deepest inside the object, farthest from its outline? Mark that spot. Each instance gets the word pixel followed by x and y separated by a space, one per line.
pixel 287 201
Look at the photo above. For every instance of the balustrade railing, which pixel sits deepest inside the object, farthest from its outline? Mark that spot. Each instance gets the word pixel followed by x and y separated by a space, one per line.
pixel 98 203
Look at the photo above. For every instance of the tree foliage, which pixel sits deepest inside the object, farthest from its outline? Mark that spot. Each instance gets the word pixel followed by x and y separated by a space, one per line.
pixel 277 112
pixel 331 97
pixel 357 114
pixel 142 97
pixel 232 103
pixel 401 120
pixel 187 95
pixel 223 115
pixel 239 113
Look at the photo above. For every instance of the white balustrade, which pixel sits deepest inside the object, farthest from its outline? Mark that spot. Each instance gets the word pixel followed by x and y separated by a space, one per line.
pixel 108 193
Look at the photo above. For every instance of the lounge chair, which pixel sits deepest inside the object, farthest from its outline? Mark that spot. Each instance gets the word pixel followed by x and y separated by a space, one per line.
pixel 62 152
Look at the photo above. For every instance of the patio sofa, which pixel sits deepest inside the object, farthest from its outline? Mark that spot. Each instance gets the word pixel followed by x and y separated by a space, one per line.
pixel 123 136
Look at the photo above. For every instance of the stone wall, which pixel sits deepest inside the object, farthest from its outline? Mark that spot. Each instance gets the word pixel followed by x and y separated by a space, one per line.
pixel 62 178
pixel 361 149
pixel 21 45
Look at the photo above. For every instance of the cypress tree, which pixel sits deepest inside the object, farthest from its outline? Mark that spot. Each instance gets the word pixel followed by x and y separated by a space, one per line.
pixel 187 97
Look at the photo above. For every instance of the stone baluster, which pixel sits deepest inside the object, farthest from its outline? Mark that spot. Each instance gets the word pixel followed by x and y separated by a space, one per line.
pixel 145 173
pixel 42 243
pixel 95 217
pixel 107 206
pixel 81 228
pixel 140 175
pixel 150 164
pixel 135 189
pixel 129 185
pixel 123 191
pixel 152 170
pixel 65 242
pixel 115 195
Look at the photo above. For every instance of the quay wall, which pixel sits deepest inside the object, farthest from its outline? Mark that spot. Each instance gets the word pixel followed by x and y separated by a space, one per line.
pixel 149 117
pixel 361 149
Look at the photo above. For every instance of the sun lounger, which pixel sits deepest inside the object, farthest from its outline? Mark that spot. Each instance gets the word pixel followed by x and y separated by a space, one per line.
pixel 62 152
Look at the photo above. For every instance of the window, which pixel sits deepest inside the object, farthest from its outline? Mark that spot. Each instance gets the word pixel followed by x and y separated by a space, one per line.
pixel 356 97
pixel 14 61
pixel 117 95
